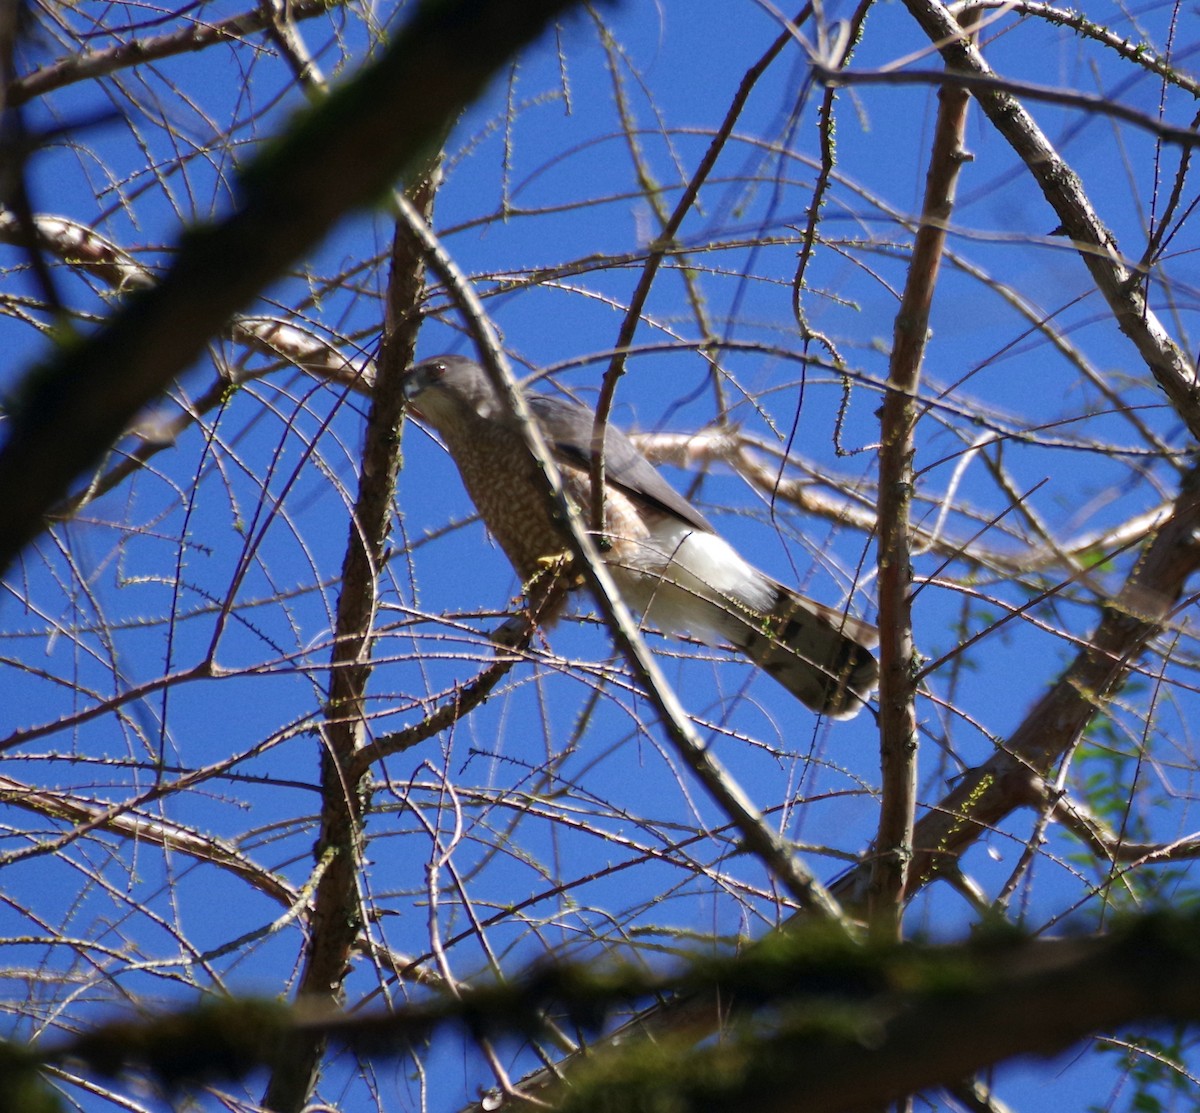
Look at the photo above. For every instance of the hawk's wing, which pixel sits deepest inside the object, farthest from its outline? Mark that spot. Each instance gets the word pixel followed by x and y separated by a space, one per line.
pixel 670 565
pixel 568 428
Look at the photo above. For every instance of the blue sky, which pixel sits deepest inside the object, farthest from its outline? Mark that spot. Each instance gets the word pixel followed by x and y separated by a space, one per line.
pixel 560 776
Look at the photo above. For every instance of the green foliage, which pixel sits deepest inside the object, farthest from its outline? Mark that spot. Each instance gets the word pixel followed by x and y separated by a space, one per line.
pixel 22 1089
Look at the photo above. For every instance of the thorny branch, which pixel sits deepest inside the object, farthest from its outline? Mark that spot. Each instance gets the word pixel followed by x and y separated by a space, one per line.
pixel 337 915
pixel 737 806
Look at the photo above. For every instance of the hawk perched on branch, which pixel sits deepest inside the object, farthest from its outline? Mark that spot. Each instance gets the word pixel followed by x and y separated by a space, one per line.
pixel 665 556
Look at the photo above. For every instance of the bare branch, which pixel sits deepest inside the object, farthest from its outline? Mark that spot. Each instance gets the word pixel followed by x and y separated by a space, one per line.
pixel 898 733
pixel 337 914
pixel 979 83
pixel 1140 53
pixel 89 65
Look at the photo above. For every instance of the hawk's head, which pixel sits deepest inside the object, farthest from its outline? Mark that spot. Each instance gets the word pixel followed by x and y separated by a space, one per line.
pixel 440 389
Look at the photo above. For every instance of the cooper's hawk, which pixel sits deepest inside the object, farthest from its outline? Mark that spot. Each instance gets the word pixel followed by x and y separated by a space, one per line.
pixel 665 556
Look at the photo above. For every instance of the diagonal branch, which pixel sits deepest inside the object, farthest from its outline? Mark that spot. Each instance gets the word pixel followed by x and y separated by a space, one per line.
pixel 1014 777
pixel 664 243
pixel 1121 287
pixel 91 64
pixel 150 830
pixel 775 854
pixel 92 254
pixel 341 155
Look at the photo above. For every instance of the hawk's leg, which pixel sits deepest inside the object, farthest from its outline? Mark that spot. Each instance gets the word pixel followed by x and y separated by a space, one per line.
pixel 545 594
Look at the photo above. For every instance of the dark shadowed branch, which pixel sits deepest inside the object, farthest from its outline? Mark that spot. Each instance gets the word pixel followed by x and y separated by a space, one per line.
pixel 70 410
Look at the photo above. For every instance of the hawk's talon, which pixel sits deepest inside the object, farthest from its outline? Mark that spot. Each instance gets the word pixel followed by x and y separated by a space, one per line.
pixel 555 569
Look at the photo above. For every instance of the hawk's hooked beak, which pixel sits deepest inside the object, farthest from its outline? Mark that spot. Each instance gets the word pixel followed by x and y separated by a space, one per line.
pixel 416 380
